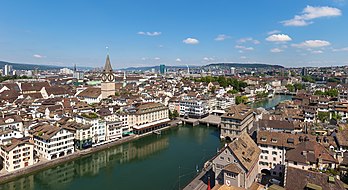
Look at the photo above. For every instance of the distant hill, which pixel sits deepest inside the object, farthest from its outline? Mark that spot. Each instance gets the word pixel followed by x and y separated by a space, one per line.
pixel 244 65
pixel 23 66
pixel 221 65
pixel 28 66
pixel 156 68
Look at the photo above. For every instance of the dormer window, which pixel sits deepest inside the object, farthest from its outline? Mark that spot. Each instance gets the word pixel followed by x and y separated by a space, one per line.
pixel 263 139
pixel 274 140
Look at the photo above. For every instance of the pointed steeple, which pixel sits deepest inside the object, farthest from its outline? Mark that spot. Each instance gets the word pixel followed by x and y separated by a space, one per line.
pixel 107 67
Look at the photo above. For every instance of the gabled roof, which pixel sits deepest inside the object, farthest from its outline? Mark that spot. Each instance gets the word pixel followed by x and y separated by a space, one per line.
pixel 14 143
pixel 56 90
pixel 245 150
pixel 90 93
pixel 34 86
pixel 299 179
pixel 239 112
pixel 310 152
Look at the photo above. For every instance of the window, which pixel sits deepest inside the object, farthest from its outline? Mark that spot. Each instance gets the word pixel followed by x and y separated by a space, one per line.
pixel 221 157
pixel 274 153
pixel 231 175
pixel 265 151
pixel 295 163
pixel 274 159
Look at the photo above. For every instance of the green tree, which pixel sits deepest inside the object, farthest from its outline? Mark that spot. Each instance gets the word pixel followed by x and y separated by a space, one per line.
pixel 213 89
pixel 319 93
pixel 308 78
pixel 298 86
pixel 262 94
pixel 323 116
pixel 241 99
pixel 173 115
pixel 290 87
pixel 336 117
pixel 332 92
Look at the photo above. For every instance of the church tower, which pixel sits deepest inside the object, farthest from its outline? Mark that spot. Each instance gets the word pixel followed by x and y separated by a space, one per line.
pixel 108 86
pixel 124 79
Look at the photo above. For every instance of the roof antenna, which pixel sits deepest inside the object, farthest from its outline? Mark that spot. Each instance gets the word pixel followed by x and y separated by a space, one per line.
pixel 107 50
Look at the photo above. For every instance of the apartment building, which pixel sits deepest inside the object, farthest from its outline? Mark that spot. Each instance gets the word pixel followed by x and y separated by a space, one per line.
pixel 17 154
pixel 83 134
pixel 194 108
pixel 52 142
pixel 275 145
pixel 236 120
pixel 98 130
pixel 13 122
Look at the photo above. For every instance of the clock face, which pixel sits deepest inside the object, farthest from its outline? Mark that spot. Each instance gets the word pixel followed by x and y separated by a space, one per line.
pixel 104 77
pixel 111 77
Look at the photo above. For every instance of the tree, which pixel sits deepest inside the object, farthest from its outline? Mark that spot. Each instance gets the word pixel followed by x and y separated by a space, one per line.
pixel 213 89
pixel 290 87
pixel 241 99
pixel 330 92
pixel 173 115
pixel 298 86
pixel 336 117
pixel 308 78
pixel 323 116
pixel 319 93
pixel 262 94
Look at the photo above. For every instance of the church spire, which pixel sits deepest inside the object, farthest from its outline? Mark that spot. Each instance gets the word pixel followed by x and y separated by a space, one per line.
pixel 107 67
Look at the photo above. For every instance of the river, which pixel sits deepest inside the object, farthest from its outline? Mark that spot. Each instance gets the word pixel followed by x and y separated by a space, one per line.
pixel 164 162
pixel 271 102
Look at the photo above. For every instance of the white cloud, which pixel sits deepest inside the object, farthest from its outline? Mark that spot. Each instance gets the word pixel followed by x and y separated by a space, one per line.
pixel 178 60
pixel 143 58
pixel 38 56
pixel 191 41
pixel 157 58
pixel 276 50
pixel 248 39
pixel 312 44
pixel 208 59
pixel 341 49
pixel 273 32
pixel 278 38
pixel 309 13
pixel 244 48
pixel 243 57
pixel 150 33
pixel 317 52
pixel 222 37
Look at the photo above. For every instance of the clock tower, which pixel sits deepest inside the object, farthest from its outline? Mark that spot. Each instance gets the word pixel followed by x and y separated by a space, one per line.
pixel 108 86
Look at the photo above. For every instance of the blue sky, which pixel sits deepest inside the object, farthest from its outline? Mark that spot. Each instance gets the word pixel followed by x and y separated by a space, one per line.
pixel 176 32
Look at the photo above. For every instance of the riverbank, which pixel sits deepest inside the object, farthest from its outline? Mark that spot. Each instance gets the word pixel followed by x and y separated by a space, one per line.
pixel 7 177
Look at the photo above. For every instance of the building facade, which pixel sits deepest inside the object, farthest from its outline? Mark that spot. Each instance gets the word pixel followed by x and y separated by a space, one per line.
pixel 236 120
pixel 237 163
pixel 53 142
pixel 17 154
